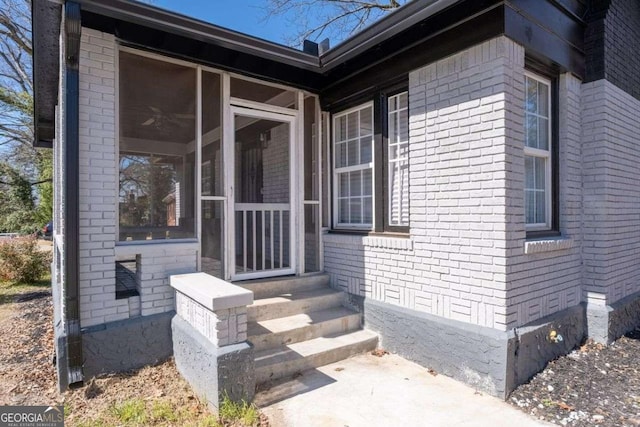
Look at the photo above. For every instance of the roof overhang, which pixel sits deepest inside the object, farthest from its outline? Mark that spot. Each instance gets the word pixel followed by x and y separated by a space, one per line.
pixel 175 23
pixel 46 16
pixel 422 30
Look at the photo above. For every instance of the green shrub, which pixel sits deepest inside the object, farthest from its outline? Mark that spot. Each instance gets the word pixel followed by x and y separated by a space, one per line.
pixel 21 261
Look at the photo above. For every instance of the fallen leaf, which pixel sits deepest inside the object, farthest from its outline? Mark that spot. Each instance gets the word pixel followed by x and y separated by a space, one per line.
pixel 379 352
pixel 564 406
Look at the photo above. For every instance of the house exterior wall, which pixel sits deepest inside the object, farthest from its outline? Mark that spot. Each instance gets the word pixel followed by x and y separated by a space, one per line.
pixel 454 264
pixel 467 257
pixel 99 201
pixel 611 147
pixel 58 264
pixel 98 177
pixel 546 278
pixel 466 260
pixel 612 44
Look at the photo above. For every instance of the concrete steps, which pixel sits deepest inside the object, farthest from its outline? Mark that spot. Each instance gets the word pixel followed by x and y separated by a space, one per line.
pixel 284 361
pixel 266 288
pixel 299 323
pixel 290 304
pixel 300 327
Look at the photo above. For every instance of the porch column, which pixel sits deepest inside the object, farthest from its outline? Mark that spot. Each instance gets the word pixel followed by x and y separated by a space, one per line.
pixel 209 335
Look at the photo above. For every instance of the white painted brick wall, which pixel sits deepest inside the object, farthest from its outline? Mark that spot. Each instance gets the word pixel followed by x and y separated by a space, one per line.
pixel 468 259
pixel 466 256
pixel 98 181
pixel 542 283
pixel 611 151
pixel 455 265
pixel 98 202
pixel 222 327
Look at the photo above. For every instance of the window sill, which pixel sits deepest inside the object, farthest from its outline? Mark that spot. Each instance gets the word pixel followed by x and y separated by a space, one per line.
pixel 371 240
pixel 547 245
pixel 153 246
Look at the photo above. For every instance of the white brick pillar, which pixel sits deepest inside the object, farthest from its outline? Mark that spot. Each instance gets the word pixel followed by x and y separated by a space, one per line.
pixel 210 337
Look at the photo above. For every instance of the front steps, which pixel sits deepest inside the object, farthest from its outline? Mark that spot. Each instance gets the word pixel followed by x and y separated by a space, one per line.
pixel 299 323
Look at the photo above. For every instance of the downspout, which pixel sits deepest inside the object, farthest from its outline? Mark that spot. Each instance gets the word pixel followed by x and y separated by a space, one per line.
pixel 72 31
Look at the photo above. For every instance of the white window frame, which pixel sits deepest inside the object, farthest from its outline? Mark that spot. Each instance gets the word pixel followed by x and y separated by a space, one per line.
pixel 363 166
pixel 401 159
pixel 543 154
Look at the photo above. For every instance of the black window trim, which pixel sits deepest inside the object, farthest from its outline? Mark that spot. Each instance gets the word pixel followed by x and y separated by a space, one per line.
pixel 552 73
pixel 379 96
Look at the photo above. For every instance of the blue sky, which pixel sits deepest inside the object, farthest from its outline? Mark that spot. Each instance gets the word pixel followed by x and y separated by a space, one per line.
pixel 246 16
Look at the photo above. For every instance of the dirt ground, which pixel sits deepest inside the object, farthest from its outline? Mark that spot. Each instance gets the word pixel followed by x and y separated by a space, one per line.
pixel 27 375
pixel 593 385
pixel 155 395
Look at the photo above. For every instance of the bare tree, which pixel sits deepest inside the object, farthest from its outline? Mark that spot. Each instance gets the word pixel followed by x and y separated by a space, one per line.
pixel 336 19
pixel 25 172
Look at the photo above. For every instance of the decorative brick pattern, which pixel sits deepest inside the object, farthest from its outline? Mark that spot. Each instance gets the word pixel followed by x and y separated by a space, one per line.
pixel 547 245
pixel 222 327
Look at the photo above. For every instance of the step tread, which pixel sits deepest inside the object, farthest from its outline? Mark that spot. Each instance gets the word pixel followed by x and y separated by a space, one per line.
pixel 290 323
pixel 295 296
pixel 312 347
pixel 272 287
pixel 310 277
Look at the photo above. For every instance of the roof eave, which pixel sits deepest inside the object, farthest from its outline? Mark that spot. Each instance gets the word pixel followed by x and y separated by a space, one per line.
pixel 161 19
pixel 45 17
pixel 391 25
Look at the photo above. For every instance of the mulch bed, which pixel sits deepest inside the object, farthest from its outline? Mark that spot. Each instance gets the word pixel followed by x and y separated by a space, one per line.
pixel 593 385
pixel 27 375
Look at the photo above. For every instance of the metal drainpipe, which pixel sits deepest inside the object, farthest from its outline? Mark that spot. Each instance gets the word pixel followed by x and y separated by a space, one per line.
pixel 72 31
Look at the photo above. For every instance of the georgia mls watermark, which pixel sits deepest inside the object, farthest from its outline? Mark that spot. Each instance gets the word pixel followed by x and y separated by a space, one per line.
pixel 31 416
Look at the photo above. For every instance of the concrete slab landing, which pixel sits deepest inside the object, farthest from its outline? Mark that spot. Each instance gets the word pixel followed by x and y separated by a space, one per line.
pixel 382 391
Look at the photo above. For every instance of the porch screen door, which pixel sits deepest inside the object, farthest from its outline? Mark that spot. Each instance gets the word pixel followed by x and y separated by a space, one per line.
pixel 262 222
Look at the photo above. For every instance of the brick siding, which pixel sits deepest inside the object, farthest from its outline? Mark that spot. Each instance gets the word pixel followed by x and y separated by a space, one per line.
pixel 611 151
pixel 98 202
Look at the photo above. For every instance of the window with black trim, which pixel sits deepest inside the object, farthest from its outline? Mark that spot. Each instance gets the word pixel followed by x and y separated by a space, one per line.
pixel 540 155
pixel 353 167
pixel 370 149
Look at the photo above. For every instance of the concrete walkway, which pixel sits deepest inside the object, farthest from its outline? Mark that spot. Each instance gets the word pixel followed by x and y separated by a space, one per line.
pixel 383 391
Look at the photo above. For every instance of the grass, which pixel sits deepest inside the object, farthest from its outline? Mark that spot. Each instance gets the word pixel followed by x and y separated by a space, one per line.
pixel 130 411
pixel 241 411
pixel 9 291
pixel 162 412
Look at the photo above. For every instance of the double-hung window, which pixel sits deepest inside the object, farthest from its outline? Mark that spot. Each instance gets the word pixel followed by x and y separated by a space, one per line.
pixel 538 153
pixel 371 164
pixel 353 167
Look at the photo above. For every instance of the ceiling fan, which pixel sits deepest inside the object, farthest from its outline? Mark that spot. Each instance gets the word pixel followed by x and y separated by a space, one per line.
pixel 160 119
